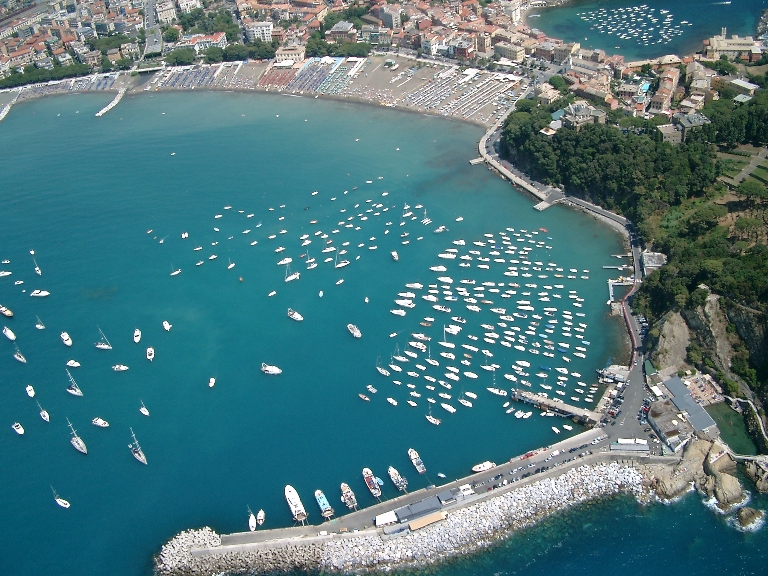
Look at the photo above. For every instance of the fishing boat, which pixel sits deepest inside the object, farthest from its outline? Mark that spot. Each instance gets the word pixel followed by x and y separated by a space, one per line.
pixel 73 388
pixel 251 520
pixel 9 333
pixel 7 312
pixel 59 500
pixel 76 441
pixel 354 330
pixel 136 335
pixel 293 315
pixel 260 517
pixel 270 369
pixel 416 461
pixel 18 428
pixel 39 325
pixel 483 466
pixel 44 413
pixel 136 449
pixel 348 497
pixel 100 422
pixel 144 410
pixel 103 344
pixel 325 509
pixel 370 481
pixel 400 482
pixel 150 353
pixel 66 339
pixel 294 503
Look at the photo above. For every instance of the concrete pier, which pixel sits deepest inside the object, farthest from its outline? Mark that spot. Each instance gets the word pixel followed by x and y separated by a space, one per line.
pixel 581 414
pixel 112 104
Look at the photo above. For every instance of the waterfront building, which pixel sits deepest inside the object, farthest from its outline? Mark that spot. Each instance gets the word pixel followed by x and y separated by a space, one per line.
pixel 293 52
pixel 732 47
pixel 651 261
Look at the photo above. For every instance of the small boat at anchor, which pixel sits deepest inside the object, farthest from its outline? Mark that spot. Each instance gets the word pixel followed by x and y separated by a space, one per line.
pixel 348 497
pixel 136 450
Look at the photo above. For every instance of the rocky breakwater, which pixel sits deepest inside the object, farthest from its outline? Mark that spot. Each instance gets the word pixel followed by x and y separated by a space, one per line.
pixel 480 525
pixel 464 530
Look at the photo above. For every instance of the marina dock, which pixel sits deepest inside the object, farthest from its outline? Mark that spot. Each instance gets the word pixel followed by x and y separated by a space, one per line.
pixel 560 408
pixel 112 104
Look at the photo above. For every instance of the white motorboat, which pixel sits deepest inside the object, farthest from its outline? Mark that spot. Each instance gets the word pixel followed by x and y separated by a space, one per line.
pixel 30 391
pixel 260 517
pixel 398 312
pixel 354 330
pixel 18 428
pixel 293 315
pixel 143 409
pixel 150 353
pixel 39 325
pixel 167 325
pixel 271 370
pixel 285 261
pixel 483 466
pixel 103 344
pixel 119 367
pixel 76 441
pixel 59 500
pixel 7 312
pixel 251 520
pixel 211 382
pixel 39 293
pixel 137 335
pixel 294 503
pixel 395 256
pixel 100 422
pixel 66 339
pixel 9 333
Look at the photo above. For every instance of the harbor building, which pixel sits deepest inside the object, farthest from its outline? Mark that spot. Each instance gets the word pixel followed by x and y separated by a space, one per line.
pixel 670 426
pixel 698 418
pixel 652 261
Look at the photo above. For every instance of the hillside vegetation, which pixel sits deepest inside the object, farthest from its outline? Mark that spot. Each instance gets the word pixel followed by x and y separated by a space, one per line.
pixel 714 238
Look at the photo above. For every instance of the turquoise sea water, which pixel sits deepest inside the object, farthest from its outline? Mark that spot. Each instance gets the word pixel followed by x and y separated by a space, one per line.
pixel 83 191
pixel 706 19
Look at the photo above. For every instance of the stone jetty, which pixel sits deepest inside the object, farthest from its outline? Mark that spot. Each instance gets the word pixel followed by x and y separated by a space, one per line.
pixel 465 530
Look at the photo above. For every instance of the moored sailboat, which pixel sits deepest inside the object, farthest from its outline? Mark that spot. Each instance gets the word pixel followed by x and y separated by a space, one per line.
pixel 76 441
pixel 136 450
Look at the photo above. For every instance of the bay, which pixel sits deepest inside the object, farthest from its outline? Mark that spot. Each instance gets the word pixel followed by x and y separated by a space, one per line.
pixel 706 20
pixel 83 192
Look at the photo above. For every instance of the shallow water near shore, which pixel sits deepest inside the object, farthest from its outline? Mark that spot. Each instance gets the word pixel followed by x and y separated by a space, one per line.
pixel 83 191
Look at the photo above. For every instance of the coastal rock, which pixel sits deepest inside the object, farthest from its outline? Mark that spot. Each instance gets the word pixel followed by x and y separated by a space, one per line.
pixel 727 490
pixel 719 460
pixel 672 483
pixel 748 516
pixel 758 472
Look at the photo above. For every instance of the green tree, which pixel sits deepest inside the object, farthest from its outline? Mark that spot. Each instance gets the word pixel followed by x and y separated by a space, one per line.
pixel 214 54
pixel 171 35
pixel 180 57
pixel 559 83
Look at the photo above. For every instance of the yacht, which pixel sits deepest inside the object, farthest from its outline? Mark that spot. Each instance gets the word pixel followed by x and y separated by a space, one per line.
pixel 285 261
pixel 150 353
pixel 59 500
pixel 76 441
pixel 381 370
pixel 6 311
pixel 136 335
pixel 136 449
pixel 9 333
pixel 354 330
pixel 103 344
pixel 395 257
pixel 44 413
pixel 39 293
pixel 269 369
pixel 175 272
pixel 39 325
pixel 293 315
pixel 432 420
pixel 73 388
pixel 144 410
pixel 18 428
pixel 487 465
pixel 294 503
pixel 260 517
pixel 119 367
pixel 30 391
pixel 66 339
pixel 100 422
pixel 167 325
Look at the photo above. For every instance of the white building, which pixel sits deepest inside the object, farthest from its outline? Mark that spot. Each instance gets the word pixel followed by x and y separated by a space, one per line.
pixel 259 30
pixel 166 12
pixel 188 5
